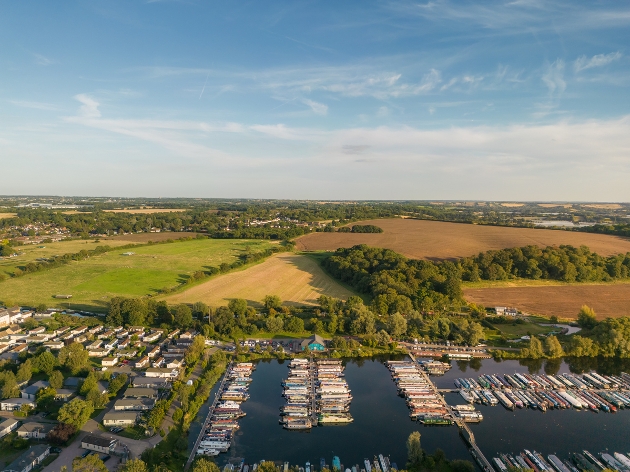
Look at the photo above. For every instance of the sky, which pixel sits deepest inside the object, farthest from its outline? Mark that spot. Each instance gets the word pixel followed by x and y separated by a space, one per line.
pixel 326 100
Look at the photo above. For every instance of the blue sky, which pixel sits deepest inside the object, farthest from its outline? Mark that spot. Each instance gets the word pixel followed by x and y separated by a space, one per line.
pixel 507 100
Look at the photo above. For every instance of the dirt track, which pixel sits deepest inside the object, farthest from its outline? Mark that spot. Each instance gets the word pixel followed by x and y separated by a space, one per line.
pixel 421 239
pixel 295 279
pixel 608 300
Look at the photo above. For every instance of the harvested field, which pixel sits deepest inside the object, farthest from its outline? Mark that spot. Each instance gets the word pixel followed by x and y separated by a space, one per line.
pixel 604 206
pixel 155 237
pixel 422 239
pixel 512 205
pixel 296 279
pixel 554 205
pixel 564 301
pixel 7 215
pixel 147 211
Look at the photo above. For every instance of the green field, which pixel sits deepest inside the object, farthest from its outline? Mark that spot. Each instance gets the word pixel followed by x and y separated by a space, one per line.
pixel 514 331
pixel 92 282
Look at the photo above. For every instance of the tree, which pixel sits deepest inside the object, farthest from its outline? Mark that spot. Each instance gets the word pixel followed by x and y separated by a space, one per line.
pixel 10 388
pixel 586 318
pixel 117 383
pixel 397 325
pixel 382 338
pixel 267 466
pixel 88 384
pixel 55 379
pixel 76 412
pixel 203 465
pixel 91 463
pixel 74 357
pixel 137 465
pixel 61 433
pixel 274 324
pixel 272 301
pixel 25 372
pixel 459 465
pixel 41 308
pixel 134 311
pixel 553 348
pixel 534 350
pixel 45 398
pixel 200 309
pixel 294 324
pixel 98 399
pixel 473 333
pixel 444 327
pixel 238 306
pixel 182 316
pixel 45 362
pixel 414 450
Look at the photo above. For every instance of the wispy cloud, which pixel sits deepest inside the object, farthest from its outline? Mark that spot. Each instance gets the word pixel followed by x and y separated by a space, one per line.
pixel 34 105
pixel 318 108
pixel 553 77
pixel 89 107
pixel 42 60
pixel 599 60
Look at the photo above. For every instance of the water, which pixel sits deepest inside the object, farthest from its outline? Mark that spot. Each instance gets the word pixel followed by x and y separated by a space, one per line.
pixel 382 425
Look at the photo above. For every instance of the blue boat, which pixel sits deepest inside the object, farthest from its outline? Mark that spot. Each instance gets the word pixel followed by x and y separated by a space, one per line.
pixel 336 464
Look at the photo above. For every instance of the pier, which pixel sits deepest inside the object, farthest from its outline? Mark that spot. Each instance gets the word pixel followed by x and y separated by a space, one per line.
pixel 464 429
pixel 312 368
pixel 206 422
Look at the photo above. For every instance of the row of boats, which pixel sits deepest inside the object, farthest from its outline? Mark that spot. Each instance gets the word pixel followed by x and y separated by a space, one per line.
pixel 433 367
pixel 426 405
pixel 578 462
pixel 226 411
pixel 588 381
pixel 316 393
pixel 380 463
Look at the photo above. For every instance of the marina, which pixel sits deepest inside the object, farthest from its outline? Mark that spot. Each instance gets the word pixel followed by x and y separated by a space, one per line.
pixel 575 462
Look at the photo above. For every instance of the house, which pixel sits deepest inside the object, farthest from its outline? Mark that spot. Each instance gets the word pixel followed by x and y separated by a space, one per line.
pixel 13 404
pixel 8 425
pixel 314 343
pixel 73 382
pixel 106 334
pixel 54 345
pixel 154 352
pixel 140 392
pixel 5 318
pixel 38 330
pixel 151 337
pixel 142 362
pixel 159 362
pixel 64 394
pixel 148 382
pixel 111 344
pixel 173 333
pixel 188 335
pixel 505 311
pixel 98 443
pixel 124 343
pixel 117 329
pixel 128 353
pixel 134 404
pixel 102 387
pixel 96 329
pixel 30 392
pixel 30 458
pixel 37 339
pixel 122 334
pixel 79 330
pixel 120 418
pixel 34 430
pixel 109 361
pixel 61 330
pixel 81 338
pixel 94 344
pixel 161 373
pixel 98 352
pixel 136 329
pixel 174 363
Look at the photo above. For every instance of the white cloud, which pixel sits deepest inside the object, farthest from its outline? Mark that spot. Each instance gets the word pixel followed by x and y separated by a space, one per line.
pixel 89 107
pixel 553 77
pixel 42 60
pixel 33 105
pixel 382 112
pixel 599 60
pixel 318 108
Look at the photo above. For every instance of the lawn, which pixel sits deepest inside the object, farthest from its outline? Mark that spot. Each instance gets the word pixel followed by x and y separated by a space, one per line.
pixel 92 282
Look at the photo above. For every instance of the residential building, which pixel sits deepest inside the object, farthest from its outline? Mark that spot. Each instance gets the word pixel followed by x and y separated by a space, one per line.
pixel 174 363
pixel 151 337
pixel 8 425
pixel 29 459
pixel 148 382
pixel 64 394
pixel 79 330
pixel 38 330
pixel 34 430
pixel 173 333
pixel 30 392
pixel 140 363
pixel 54 345
pixel 109 361
pixel 140 392
pixel 134 404
pixel 107 334
pixel 188 334
pixel 154 352
pixel 13 404
pixel 161 373
pixel 102 352
pixel 98 443
pixel 120 418
pixel 96 329
pixel 159 362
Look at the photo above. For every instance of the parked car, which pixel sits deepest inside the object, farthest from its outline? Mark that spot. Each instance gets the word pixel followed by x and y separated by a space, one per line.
pixel 106 458
pixel 55 450
pixel 85 454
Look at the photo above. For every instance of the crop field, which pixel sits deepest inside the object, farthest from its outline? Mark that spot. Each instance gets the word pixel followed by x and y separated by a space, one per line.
pixel 7 215
pixel 148 211
pixel 435 240
pixel 564 301
pixel 296 279
pixel 92 282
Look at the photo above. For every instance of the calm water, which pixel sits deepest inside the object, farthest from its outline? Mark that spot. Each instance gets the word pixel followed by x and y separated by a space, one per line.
pixel 382 425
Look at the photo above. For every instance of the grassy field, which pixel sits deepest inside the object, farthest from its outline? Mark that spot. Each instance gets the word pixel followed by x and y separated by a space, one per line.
pixel 564 301
pixel 92 282
pixel 296 279
pixel 139 238
pixel 515 331
pixel 421 239
pixel 147 211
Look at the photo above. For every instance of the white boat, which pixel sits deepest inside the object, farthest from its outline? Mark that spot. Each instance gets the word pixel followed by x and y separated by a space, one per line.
pixel 466 396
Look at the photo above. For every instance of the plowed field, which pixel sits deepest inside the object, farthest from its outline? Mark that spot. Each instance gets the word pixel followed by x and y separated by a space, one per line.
pixel 296 279
pixel 421 239
pixel 564 301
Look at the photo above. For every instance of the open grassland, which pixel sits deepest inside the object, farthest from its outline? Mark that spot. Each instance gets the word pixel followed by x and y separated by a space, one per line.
pixel 7 215
pixel 139 238
pixel 421 239
pixel 564 301
pixel 32 252
pixel 92 282
pixel 147 211
pixel 296 279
